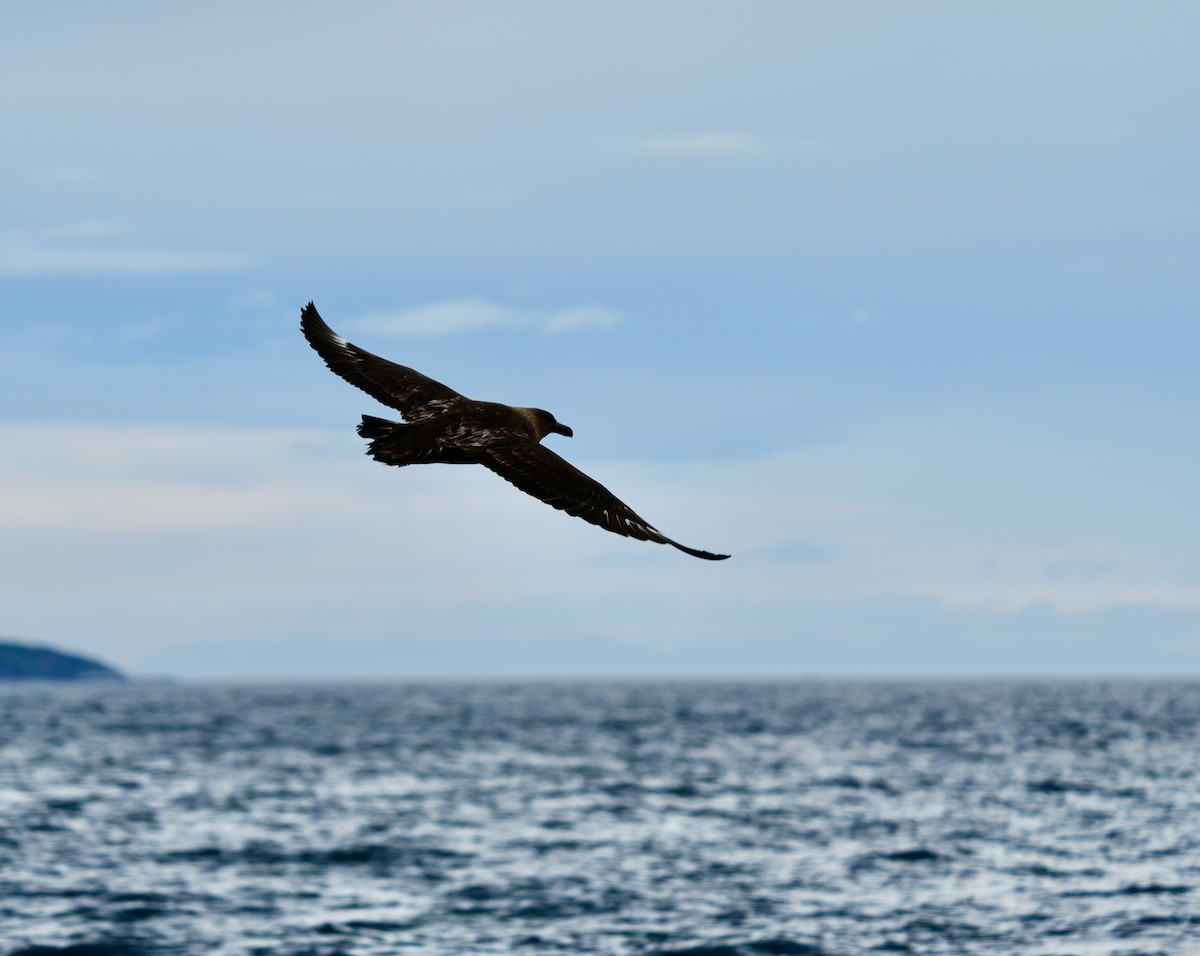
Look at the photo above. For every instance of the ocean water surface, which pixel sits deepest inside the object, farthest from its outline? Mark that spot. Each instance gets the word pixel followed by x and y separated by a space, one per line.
pixel 664 819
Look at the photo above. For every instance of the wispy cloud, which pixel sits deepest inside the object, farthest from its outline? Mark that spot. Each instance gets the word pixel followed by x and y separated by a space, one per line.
pixel 718 144
pixel 83 249
pixel 256 299
pixel 188 480
pixel 578 319
pixel 148 479
pixel 1064 598
pixel 74 176
pixel 173 533
pixel 84 230
pixel 458 316
pixel 440 318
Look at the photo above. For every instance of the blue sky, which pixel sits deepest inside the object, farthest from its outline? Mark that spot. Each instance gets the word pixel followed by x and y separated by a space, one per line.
pixel 898 303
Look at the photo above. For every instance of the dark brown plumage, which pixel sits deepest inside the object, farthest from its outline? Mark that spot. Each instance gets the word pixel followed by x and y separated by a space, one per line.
pixel 444 426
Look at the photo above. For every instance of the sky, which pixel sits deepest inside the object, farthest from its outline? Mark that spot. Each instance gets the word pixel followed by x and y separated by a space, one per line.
pixel 897 303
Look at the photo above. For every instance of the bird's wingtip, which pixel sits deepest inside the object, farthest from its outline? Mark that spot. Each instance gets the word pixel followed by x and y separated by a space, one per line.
pixel 696 553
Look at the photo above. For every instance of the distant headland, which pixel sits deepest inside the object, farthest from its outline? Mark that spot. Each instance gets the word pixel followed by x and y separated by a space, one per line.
pixel 19 662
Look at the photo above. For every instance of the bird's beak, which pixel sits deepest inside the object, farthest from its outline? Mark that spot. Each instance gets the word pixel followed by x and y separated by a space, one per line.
pixel 562 429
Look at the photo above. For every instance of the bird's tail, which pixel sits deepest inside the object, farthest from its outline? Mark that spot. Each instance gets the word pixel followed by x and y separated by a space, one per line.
pixel 373 427
pixel 394 443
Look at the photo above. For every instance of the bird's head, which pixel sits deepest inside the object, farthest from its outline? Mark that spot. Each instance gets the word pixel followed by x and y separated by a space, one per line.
pixel 544 423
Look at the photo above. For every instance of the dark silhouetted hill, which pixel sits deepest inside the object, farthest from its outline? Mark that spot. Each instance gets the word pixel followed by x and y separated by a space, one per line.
pixel 27 662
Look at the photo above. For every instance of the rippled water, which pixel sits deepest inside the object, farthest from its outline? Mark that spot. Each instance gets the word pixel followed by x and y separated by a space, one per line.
pixel 658 818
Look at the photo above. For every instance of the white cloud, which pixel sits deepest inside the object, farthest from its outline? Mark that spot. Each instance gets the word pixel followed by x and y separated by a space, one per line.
pixel 175 535
pixel 862 317
pixel 440 318
pixel 87 229
pixel 1011 597
pixel 171 535
pixel 996 578
pixel 78 251
pixel 254 300
pixel 144 479
pixel 456 316
pixel 139 507
pixel 711 143
pixel 248 482
pixel 61 336
pixel 74 176
pixel 719 143
pixel 583 317
pixel 158 532
pixel 877 544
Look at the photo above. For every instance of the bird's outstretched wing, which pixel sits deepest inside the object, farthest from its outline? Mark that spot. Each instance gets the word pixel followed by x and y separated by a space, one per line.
pixel 538 471
pixel 414 395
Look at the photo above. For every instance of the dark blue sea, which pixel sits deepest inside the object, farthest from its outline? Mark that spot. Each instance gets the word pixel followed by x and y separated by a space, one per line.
pixel 706 819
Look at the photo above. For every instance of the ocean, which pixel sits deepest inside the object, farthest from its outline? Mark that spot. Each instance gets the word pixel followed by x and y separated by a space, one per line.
pixel 810 818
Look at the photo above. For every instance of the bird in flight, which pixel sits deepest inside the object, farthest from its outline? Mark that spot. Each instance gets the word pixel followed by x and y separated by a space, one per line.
pixel 440 425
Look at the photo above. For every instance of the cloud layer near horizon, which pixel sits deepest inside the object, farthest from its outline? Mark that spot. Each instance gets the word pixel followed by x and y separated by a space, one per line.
pixel 289 527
